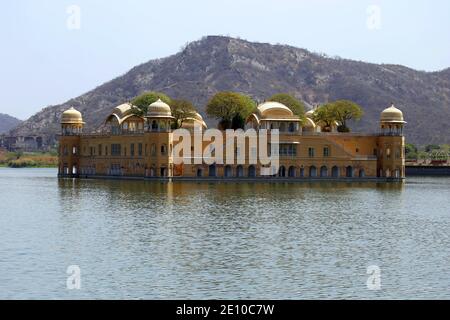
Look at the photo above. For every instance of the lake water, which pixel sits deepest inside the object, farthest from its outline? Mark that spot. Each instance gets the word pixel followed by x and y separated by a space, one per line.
pixel 152 240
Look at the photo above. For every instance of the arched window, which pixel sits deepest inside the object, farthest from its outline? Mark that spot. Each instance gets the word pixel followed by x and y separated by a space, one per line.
pixel 291 127
pixel 291 172
pixel 323 172
pixel 163 149
pixel 302 172
pixel 212 170
pixel 282 171
pixel 335 172
pixel 362 173
pixel 154 125
pixel 252 171
pixel 199 172
pixel 312 171
pixel 239 171
pixel 228 171
pixel 349 172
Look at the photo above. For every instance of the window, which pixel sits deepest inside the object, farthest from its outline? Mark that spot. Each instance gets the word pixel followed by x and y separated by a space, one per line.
pixel 288 150
pixel 153 149
pixel 91 151
pixel 65 152
pixel 74 150
pixel 326 151
pixel 357 150
pixel 99 149
pixel 163 149
pixel 140 149
pixel 132 150
pixel 311 152
pixel 115 149
pixel 106 150
pixel 388 153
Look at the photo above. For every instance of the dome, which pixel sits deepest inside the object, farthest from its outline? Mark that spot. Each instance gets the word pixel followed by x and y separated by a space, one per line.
pixel 310 114
pixel 123 110
pixel 196 120
pixel 392 114
pixel 159 109
pixel 72 116
pixel 309 123
pixel 272 110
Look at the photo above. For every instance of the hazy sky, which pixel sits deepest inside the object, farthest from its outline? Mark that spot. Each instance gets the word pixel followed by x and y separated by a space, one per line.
pixel 47 57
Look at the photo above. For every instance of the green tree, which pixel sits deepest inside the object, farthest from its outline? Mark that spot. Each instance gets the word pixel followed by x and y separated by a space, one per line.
pixel 226 105
pixel 325 116
pixel 296 106
pixel 345 110
pixel 181 110
pixel 147 98
pixel 431 147
pixel 410 151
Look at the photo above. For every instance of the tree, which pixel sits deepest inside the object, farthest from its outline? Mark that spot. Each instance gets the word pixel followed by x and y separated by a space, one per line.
pixel 344 111
pixel 296 106
pixel 147 98
pixel 410 151
pixel 431 147
pixel 226 105
pixel 181 110
pixel 325 116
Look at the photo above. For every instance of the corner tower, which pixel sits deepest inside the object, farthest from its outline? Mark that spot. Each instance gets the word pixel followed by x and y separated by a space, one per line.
pixel 391 144
pixel 69 143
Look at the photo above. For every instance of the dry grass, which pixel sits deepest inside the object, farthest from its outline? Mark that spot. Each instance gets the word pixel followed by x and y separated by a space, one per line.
pixel 23 160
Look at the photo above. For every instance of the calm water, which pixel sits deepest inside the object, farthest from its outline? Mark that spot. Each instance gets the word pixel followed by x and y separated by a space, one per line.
pixel 136 239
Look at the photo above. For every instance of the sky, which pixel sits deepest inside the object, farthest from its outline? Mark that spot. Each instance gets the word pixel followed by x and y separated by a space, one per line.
pixel 54 50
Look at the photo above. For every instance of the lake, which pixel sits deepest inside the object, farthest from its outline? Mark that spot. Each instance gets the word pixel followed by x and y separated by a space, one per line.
pixel 187 240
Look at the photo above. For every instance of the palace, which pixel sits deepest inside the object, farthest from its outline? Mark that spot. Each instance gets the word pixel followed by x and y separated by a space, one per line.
pixel 132 146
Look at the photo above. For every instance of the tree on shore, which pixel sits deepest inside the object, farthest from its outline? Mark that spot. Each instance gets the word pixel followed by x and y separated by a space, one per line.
pixel 142 101
pixel 230 108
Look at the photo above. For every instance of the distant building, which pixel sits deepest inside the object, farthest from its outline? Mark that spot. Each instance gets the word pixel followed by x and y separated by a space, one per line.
pixel 134 146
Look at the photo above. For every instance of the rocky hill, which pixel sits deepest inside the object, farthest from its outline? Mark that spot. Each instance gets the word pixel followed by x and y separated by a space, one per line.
pixel 221 63
pixel 7 122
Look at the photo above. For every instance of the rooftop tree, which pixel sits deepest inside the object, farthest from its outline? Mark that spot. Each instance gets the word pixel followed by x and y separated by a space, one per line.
pixel 230 108
pixel 147 98
pixel 296 106
pixel 181 110
pixel 344 111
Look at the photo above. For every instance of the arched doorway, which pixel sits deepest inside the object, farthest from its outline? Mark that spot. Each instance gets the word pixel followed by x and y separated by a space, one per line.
pixel 291 172
pixel 349 172
pixel 335 172
pixel 239 171
pixel 199 172
pixel 282 172
pixel 302 172
pixel 323 172
pixel 212 170
pixel 312 171
pixel 362 173
pixel 228 171
pixel 252 171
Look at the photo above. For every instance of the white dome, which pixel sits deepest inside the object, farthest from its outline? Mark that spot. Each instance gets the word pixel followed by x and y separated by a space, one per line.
pixel 159 109
pixel 392 114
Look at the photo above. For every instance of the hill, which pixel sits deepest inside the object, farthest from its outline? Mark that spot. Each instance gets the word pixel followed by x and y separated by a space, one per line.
pixel 7 122
pixel 218 63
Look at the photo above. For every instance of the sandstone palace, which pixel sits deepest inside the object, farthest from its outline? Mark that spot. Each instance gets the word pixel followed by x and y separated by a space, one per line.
pixel 141 146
